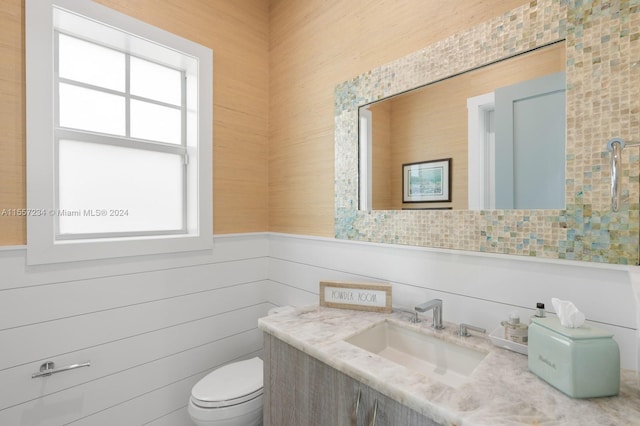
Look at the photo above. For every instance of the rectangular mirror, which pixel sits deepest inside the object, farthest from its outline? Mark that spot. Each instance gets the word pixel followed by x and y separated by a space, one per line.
pixel 599 44
pixel 501 127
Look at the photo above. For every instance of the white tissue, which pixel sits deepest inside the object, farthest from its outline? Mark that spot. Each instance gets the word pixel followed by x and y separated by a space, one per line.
pixel 568 314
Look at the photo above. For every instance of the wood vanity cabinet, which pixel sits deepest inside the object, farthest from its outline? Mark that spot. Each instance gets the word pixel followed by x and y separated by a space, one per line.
pixel 300 390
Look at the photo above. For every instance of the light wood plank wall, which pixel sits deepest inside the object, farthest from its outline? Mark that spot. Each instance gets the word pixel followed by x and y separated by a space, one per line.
pixel 273 94
pixel 237 32
pixel 317 44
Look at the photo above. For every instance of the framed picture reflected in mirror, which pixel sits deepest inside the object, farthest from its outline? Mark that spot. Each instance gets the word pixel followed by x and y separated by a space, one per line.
pixel 426 181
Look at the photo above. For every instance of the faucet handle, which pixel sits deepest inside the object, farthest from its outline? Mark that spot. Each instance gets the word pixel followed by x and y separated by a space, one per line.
pixel 414 314
pixel 464 330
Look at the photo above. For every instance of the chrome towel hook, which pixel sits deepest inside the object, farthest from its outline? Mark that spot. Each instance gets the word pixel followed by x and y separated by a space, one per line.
pixel 616 145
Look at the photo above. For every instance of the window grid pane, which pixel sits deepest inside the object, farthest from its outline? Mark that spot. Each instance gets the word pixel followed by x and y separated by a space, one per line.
pixel 90 63
pixel 155 122
pixel 151 118
pixel 153 81
pixel 91 110
pixel 171 97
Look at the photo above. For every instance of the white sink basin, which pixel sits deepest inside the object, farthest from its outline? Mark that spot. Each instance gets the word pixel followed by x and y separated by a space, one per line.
pixel 436 358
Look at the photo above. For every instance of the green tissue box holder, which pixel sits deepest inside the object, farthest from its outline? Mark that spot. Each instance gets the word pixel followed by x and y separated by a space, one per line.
pixel 582 362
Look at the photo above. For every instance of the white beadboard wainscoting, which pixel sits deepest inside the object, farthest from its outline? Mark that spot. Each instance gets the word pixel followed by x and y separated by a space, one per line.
pixel 153 326
pixel 150 326
pixel 476 288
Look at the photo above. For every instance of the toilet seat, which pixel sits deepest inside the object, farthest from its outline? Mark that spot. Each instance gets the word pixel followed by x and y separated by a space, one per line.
pixel 226 403
pixel 230 385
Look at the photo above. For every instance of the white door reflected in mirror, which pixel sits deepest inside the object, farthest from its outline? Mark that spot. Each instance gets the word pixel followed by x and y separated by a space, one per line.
pixel 516 146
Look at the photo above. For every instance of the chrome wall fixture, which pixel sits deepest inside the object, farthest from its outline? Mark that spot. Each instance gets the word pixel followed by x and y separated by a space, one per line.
pixel 616 145
pixel 49 368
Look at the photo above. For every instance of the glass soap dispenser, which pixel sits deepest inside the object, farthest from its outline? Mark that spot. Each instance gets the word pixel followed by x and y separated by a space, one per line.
pixel 514 330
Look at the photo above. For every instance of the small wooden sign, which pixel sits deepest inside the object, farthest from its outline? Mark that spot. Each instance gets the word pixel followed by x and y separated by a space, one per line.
pixel 358 296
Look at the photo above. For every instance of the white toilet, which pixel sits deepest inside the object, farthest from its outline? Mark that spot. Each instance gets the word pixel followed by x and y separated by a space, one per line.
pixel 229 396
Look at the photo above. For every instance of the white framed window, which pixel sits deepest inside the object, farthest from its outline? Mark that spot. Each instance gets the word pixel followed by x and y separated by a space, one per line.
pixel 119 135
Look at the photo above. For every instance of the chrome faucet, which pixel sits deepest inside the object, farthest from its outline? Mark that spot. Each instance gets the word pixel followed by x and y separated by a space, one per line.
pixel 436 305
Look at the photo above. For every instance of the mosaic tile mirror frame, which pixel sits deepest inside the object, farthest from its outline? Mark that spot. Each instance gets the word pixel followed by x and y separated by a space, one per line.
pixel 603 101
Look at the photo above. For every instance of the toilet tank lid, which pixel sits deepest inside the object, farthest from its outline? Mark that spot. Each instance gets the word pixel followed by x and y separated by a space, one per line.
pixel 231 381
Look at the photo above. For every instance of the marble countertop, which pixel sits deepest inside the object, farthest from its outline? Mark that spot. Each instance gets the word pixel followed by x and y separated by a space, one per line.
pixel 501 391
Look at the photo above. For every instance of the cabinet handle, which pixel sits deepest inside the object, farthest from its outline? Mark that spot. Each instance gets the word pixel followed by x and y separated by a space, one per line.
pixel 356 407
pixel 375 413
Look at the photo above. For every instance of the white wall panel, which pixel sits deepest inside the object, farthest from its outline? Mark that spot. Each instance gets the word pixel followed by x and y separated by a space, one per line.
pixel 152 326
pixel 476 288
pixel 49 339
pixel 107 358
pixel 78 402
pixel 179 417
pixel 226 248
pixel 158 402
pixel 150 406
pixel 510 280
pixel 60 300
pixel 283 295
